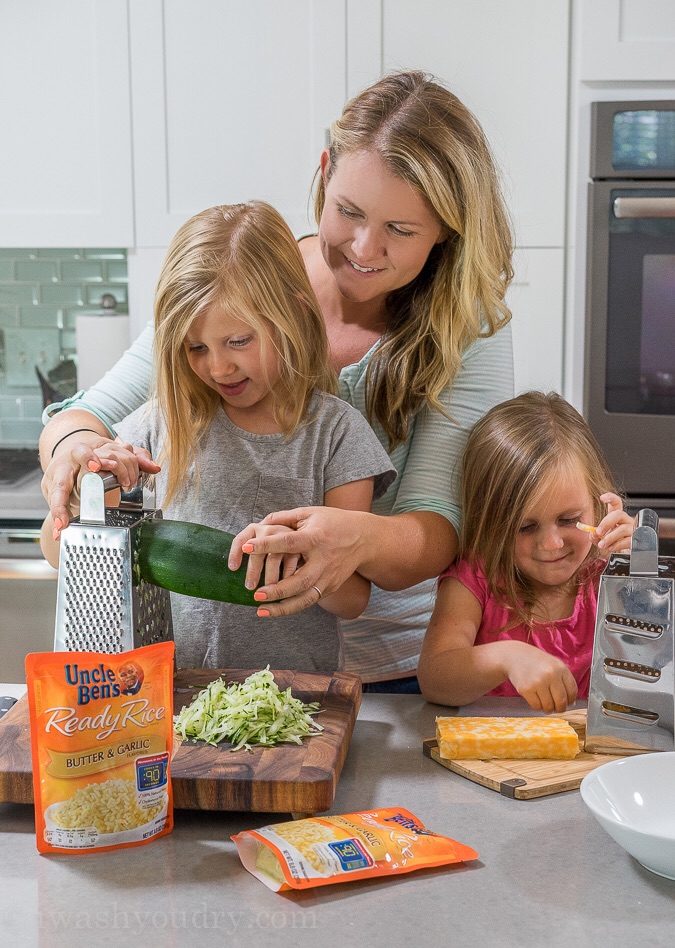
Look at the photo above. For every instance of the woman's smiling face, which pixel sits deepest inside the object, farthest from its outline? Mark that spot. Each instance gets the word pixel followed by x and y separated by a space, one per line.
pixel 376 231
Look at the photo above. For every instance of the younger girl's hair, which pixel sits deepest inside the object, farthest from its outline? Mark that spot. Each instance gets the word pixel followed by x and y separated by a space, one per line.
pixel 511 453
pixel 429 139
pixel 243 259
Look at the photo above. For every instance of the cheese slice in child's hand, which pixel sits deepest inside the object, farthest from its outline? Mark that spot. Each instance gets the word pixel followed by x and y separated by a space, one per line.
pixel 506 738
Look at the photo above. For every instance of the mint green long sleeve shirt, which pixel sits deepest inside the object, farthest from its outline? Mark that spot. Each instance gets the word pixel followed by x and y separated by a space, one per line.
pixel 385 641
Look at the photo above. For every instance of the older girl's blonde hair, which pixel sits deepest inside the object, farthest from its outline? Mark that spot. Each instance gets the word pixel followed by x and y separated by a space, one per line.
pixel 511 454
pixel 243 259
pixel 424 134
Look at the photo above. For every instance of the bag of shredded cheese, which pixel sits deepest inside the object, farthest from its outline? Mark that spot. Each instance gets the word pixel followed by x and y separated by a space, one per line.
pixel 328 849
pixel 101 740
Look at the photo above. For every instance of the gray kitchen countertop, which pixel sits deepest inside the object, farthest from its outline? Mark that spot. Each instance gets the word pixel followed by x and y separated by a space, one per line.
pixel 547 876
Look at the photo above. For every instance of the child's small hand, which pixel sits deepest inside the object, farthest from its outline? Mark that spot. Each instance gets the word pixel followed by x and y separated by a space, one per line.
pixel 276 566
pixel 614 532
pixel 543 680
pixel 124 460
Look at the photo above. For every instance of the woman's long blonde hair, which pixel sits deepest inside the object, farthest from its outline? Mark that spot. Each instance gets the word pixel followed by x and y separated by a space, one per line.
pixel 244 259
pixel 431 140
pixel 511 453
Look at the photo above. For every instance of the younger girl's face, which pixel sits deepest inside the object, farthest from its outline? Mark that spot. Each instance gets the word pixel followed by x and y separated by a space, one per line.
pixel 226 354
pixel 549 547
pixel 376 231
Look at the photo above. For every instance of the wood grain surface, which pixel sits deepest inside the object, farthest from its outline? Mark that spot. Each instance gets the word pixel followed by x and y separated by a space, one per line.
pixel 282 779
pixel 526 779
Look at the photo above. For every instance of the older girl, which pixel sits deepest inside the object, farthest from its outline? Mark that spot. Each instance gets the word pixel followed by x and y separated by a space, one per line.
pixel 243 424
pixel 516 614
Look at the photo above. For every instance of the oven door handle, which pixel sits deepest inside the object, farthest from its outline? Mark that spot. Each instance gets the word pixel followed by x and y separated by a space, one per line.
pixel 22 536
pixel 635 207
pixel 18 568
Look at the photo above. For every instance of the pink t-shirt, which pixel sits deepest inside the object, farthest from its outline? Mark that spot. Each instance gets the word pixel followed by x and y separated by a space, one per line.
pixel 570 639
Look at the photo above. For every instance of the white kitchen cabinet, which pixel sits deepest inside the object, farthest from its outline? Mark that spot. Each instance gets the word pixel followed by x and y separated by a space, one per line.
pixel 220 120
pixel 27 610
pixel 506 60
pixel 536 301
pixel 231 101
pixel 626 40
pixel 65 163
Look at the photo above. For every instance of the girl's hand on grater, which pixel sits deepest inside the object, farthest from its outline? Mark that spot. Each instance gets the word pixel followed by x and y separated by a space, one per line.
pixel 122 459
pixel 613 533
pixel 74 457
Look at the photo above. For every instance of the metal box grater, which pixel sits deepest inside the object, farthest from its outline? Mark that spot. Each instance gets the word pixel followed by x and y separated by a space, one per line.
pixel 101 605
pixel 632 689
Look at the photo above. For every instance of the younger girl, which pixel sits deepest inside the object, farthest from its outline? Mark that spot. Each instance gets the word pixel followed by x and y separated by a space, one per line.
pixel 243 425
pixel 516 614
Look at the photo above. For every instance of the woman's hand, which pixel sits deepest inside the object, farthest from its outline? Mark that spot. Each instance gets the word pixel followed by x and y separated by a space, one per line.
pixel 613 533
pixel 543 680
pixel 61 476
pixel 327 539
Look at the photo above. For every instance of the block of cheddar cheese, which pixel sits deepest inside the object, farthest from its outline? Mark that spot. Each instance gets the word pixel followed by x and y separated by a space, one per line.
pixel 506 738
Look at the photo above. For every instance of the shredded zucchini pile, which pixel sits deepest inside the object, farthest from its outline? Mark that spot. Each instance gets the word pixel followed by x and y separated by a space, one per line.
pixel 253 712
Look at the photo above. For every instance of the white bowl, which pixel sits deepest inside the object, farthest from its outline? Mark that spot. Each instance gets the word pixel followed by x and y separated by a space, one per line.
pixel 633 799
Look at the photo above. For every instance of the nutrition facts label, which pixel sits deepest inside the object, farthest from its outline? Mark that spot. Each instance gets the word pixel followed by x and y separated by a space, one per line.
pixel 72 838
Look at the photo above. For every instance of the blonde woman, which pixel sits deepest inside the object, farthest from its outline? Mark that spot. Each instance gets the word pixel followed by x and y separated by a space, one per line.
pixel 516 614
pixel 243 423
pixel 410 267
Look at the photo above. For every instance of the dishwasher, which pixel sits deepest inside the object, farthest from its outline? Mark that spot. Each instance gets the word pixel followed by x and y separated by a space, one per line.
pixel 27 582
pixel 27 597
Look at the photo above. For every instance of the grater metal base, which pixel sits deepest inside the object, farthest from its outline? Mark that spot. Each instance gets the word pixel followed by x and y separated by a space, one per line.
pixel 102 604
pixel 631 703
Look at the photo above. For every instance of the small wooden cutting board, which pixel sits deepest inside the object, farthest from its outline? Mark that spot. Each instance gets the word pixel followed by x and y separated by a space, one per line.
pixel 526 779
pixel 287 778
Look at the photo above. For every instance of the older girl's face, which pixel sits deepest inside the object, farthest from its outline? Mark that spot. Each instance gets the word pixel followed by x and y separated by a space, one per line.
pixel 376 231
pixel 226 353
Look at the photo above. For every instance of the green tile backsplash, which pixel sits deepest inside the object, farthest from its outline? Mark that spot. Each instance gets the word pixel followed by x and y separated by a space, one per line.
pixel 41 294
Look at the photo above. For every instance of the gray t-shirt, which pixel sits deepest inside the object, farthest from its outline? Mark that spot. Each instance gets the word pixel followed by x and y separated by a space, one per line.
pixel 242 477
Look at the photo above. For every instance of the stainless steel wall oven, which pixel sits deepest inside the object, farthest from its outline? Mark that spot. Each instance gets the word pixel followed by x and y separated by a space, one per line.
pixel 629 377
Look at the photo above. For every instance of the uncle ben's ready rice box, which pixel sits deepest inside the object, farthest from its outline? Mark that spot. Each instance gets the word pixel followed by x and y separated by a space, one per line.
pixel 101 731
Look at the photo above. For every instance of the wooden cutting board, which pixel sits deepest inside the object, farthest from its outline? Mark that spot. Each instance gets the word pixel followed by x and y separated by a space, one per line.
pixel 284 779
pixel 526 779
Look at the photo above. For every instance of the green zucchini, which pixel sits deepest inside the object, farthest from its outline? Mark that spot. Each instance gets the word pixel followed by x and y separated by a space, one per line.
pixel 191 559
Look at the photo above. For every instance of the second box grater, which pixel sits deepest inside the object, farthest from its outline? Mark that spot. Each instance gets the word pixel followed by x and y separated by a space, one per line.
pixel 102 605
pixel 631 698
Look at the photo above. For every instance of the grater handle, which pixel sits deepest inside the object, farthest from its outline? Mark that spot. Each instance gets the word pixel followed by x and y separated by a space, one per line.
pixel 94 487
pixel 644 549
pixel 109 482
pixel 648 518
